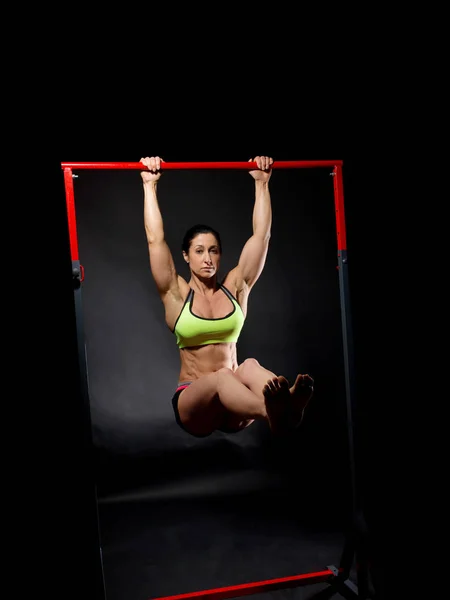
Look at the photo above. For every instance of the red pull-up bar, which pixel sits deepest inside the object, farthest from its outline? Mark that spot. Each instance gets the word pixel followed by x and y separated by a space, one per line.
pixel 68 168
pixel 278 164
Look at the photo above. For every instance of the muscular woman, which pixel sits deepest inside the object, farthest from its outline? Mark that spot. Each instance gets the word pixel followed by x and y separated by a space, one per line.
pixel 206 316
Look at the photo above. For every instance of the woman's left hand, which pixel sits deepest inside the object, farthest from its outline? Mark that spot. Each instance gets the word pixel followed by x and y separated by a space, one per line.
pixel 264 170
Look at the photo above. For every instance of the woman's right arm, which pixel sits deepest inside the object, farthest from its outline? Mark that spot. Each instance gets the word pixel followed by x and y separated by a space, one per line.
pixel 161 261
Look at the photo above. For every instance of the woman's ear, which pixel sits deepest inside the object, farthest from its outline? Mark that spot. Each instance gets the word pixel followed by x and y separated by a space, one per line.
pixel 185 256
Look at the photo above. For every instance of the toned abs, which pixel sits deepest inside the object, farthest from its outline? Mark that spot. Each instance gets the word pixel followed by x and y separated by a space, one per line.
pixel 202 360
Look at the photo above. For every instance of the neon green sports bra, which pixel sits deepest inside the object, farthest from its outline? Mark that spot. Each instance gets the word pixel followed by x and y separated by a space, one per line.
pixel 191 330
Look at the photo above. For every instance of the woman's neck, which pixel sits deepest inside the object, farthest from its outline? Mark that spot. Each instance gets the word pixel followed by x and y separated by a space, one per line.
pixel 204 287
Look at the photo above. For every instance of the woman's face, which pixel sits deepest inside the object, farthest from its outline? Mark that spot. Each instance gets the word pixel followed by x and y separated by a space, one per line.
pixel 204 255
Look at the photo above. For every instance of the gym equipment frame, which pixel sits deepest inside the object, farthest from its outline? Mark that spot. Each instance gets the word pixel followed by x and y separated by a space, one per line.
pixel 355 547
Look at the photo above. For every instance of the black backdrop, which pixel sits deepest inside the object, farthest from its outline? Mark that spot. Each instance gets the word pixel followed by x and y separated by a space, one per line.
pixel 293 323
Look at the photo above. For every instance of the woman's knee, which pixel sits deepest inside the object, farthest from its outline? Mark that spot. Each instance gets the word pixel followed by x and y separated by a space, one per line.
pixel 248 366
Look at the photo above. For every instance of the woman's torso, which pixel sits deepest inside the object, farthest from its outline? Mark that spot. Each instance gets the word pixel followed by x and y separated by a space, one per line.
pixel 203 359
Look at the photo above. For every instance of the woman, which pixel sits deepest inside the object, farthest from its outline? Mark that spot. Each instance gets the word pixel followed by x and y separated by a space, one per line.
pixel 214 391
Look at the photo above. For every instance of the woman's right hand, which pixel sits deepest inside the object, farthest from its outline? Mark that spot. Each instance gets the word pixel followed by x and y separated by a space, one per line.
pixel 153 163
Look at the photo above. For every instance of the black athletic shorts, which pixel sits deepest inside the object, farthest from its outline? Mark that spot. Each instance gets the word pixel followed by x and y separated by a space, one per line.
pixel 175 397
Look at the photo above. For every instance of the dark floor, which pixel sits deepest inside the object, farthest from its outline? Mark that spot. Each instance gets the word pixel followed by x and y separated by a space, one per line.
pixel 154 547
pixel 223 514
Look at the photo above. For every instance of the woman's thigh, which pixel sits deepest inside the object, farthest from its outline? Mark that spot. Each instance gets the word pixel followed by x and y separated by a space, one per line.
pixel 199 407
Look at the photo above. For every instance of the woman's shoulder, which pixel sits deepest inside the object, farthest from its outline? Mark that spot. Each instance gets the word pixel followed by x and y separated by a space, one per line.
pixel 233 282
pixel 237 287
pixel 177 294
pixel 229 279
pixel 183 287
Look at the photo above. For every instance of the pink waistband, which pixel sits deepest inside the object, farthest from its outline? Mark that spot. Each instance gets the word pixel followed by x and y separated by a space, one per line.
pixel 182 386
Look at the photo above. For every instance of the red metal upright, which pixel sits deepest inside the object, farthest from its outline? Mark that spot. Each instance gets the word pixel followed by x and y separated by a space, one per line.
pixel 71 216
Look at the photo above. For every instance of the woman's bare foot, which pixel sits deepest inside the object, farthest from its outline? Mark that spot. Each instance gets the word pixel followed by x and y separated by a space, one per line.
pixel 284 405
pixel 277 397
pixel 301 393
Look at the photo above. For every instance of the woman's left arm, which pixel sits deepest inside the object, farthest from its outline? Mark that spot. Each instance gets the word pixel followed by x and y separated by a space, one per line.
pixel 253 255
